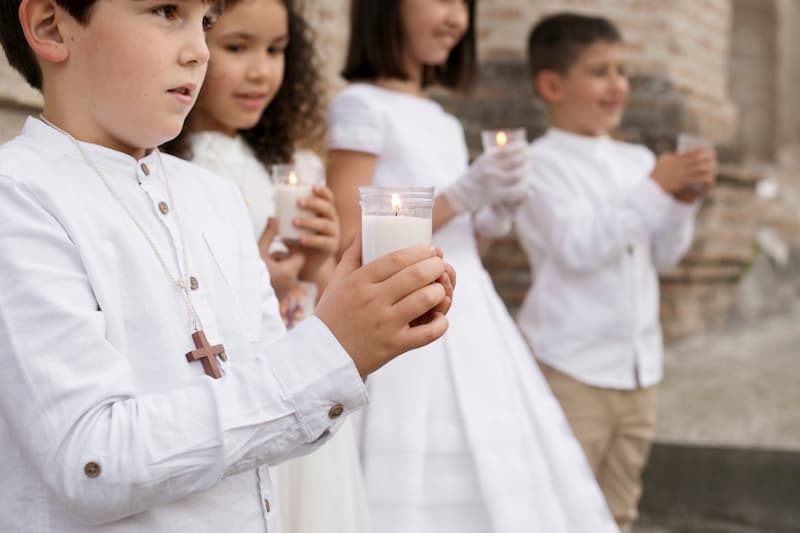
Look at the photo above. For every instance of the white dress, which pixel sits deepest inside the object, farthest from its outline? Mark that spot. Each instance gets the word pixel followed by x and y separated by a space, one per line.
pixel 463 435
pixel 322 492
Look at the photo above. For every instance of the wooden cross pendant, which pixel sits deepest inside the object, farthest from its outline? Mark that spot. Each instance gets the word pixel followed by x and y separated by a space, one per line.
pixel 207 354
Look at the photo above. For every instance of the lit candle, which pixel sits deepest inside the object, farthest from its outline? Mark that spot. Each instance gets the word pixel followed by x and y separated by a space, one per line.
pixel 289 188
pixel 501 138
pixel 492 139
pixel 394 218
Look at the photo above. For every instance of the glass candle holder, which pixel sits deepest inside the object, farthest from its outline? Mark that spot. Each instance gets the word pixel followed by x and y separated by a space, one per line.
pixel 393 218
pixel 689 141
pixel 493 139
pixel 291 186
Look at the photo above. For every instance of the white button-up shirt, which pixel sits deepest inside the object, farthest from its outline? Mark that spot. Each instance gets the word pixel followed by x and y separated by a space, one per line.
pixel 104 425
pixel 596 230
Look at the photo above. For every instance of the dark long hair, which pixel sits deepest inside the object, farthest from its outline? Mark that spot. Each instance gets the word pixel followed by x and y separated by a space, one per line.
pixel 295 116
pixel 376 47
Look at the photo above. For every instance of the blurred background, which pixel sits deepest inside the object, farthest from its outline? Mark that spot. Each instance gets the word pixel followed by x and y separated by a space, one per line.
pixel 727 456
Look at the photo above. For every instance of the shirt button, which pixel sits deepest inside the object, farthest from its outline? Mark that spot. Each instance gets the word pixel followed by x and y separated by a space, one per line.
pixel 266 504
pixel 163 207
pixel 630 249
pixel 336 411
pixel 145 169
pixel 193 283
pixel 92 470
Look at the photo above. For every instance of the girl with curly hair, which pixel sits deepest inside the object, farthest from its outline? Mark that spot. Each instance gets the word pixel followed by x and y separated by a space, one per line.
pixel 261 105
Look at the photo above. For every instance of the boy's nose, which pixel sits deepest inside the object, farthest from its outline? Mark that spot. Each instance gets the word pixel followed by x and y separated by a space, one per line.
pixel 195 50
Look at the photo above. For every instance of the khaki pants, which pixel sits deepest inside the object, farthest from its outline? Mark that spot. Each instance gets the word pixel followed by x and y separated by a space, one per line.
pixel 615 429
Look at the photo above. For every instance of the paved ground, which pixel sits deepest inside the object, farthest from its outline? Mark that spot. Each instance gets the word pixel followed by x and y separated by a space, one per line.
pixel 737 388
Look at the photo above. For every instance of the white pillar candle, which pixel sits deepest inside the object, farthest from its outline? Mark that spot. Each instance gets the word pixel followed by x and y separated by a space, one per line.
pixel 384 234
pixel 393 219
pixel 289 188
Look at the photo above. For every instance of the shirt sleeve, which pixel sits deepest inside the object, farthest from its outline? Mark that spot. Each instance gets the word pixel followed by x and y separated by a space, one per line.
pixel 585 237
pixel 354 123
pixel 671 242
pixel 69 398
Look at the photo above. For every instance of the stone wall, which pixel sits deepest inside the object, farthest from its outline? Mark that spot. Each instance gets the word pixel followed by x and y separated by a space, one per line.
pixel 726 69
pixel 17 101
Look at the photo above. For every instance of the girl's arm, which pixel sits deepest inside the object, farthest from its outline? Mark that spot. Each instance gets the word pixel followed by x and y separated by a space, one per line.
pixel 347 171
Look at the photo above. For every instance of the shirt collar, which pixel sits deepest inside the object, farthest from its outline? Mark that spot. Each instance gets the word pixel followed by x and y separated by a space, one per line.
pixel 582 144
pixel 107 159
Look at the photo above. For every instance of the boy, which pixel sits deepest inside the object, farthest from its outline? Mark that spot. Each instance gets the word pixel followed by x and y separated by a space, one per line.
pixel 603 218
pixel 147 378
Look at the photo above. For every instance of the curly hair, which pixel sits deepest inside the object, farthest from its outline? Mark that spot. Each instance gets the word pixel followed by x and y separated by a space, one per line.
pixel 295 116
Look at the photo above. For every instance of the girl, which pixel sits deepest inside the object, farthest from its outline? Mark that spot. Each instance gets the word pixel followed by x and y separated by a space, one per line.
pixel 478 443
pixel 260 100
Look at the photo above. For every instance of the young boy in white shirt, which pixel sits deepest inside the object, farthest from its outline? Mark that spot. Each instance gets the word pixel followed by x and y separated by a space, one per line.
pixel 602 219
pixel 147 379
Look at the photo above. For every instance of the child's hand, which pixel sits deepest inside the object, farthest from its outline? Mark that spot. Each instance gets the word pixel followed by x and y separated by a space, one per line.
pixel 324 242
pixel 284 269
pixel 448 282
pixel 370 309
pixel 495 176
pixel 677 173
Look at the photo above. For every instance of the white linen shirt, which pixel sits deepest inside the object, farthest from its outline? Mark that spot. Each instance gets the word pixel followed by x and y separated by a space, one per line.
pixel 104 425
pixel 596 230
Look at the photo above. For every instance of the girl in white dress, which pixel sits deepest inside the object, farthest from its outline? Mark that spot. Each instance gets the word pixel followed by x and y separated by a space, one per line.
pixel 261 98
pixel 463 435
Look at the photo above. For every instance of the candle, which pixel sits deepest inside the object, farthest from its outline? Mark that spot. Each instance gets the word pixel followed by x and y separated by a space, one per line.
pixel 289 188
pixel 394 218
pixel 685 143
pixel 492 139
pixel 501 138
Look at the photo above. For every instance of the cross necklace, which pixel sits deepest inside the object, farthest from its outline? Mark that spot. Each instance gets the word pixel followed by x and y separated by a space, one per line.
pixel 204 352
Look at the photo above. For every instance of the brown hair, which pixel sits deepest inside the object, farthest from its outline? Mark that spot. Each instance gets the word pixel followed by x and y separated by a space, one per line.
pixel 555 42
pixel 295 115
pixel 376 47
pixel 19 53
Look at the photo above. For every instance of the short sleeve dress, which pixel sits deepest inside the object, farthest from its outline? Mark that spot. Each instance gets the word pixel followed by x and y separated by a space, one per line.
pixel 462 435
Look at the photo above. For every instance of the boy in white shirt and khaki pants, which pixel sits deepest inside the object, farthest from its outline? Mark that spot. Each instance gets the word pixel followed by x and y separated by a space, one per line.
pixel 603 218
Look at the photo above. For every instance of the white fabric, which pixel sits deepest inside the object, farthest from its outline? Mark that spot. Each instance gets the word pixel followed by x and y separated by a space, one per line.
pixel 92 344
pixel 322 492
pixel 507 462
pixel 596 229
pixel 495 176
pixel 495 221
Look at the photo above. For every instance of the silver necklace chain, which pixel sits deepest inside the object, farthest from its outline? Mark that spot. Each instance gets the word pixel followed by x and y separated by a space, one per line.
pixel 183 284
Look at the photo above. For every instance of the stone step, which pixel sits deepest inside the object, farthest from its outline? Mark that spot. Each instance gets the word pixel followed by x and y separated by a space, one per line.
pixel 694 489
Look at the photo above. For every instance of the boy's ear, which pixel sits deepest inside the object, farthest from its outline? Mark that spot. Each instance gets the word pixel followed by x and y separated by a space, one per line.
pixel 40 20
pixel 548 85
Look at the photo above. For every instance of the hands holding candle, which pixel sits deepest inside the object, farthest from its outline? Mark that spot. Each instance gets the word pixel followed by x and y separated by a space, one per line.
pixel 393 218
pixel 690 173
pixel 496 176
pixel 495 220
pixel 391 305
pixel 307 219
pixel 290 187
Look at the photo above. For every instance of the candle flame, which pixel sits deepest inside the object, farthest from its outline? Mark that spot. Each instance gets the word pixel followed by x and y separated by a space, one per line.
pixel 502 138
pixel 292 178
pixel 396 203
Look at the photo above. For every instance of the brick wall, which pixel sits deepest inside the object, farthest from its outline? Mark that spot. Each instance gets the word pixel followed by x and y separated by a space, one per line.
pixel 683 79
